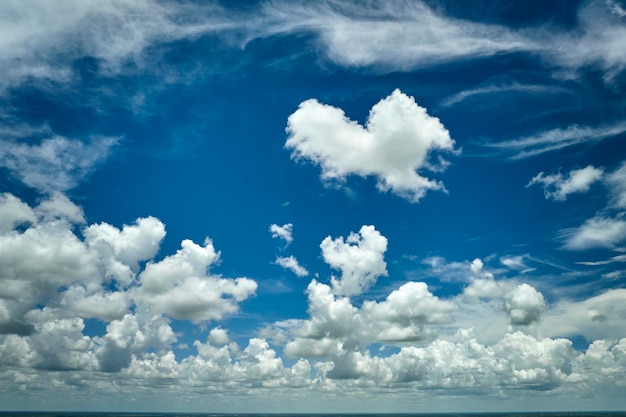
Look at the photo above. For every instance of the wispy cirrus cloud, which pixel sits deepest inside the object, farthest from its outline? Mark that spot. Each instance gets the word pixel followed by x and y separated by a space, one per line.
pixel 497 89
pixel 55 164
pixel 41 41
pixel 555 139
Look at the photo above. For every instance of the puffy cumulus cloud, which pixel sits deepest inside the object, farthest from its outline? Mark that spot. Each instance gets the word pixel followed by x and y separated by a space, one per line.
pixel 130 337
pixel 291 263
pixel 179 285
pixel 57 163
pixel 122 250
pixel 598 317
pixel 42 258
pixel 336 326
pixel 603 364
pixel 283 232
pixel 218 336
pixel 517 360
pixel 393 146
pixel 597 232
pixel 52 278
pixel 558 186
pixel 404 314
pixel 57 345
pixel 360 258
pixel 333 320
pixel 14 212
pixel 522 303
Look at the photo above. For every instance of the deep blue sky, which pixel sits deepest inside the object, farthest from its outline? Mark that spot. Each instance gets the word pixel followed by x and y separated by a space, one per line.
pixel 312 206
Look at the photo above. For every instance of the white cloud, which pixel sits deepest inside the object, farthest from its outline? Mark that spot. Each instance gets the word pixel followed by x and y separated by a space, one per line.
pixel 597 232
pixel 57 163
pixel 500 90
pixel 122 250
pixel 394 35
pixel 597 317
pixel 180 287
pixel 612 259
pixel 616 182
pixel 218 336
pixel 291 263
pixel 558 186
pixel 524 305
pixel 409 314
pixel 51 279
pixel 14 212
pixel 516 263
pixel 403 316
pixel 360 258
pixel 42 42
pixel 555 139
pixel 393 146
pixel 283 232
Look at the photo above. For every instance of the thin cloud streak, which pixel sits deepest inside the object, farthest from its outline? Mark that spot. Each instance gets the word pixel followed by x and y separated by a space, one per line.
pixel 555 139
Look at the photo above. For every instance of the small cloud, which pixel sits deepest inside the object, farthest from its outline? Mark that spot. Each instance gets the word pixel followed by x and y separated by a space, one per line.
pixel 291 263
pixel 558 186
pixel 283 232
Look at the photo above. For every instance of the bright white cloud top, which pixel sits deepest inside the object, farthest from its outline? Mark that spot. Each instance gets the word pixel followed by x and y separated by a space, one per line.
pixel 145 147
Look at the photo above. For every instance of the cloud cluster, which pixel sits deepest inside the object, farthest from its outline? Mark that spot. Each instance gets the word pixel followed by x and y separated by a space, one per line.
pixel 52 279
pixel 393 146
pixel 336 326
pixel 522 303
pixel 110 274
pixel 290 262
pixel 360 258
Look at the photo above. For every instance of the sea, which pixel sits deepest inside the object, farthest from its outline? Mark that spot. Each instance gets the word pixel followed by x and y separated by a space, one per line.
pixel 473 414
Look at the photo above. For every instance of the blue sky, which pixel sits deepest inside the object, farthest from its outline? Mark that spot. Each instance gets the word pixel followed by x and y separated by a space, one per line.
pixel 283 206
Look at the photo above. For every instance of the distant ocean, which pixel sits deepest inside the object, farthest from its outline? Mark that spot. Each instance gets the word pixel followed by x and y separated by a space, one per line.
pixel 104 414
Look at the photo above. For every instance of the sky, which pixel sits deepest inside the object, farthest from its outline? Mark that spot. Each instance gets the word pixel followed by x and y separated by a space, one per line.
pixel 330 206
